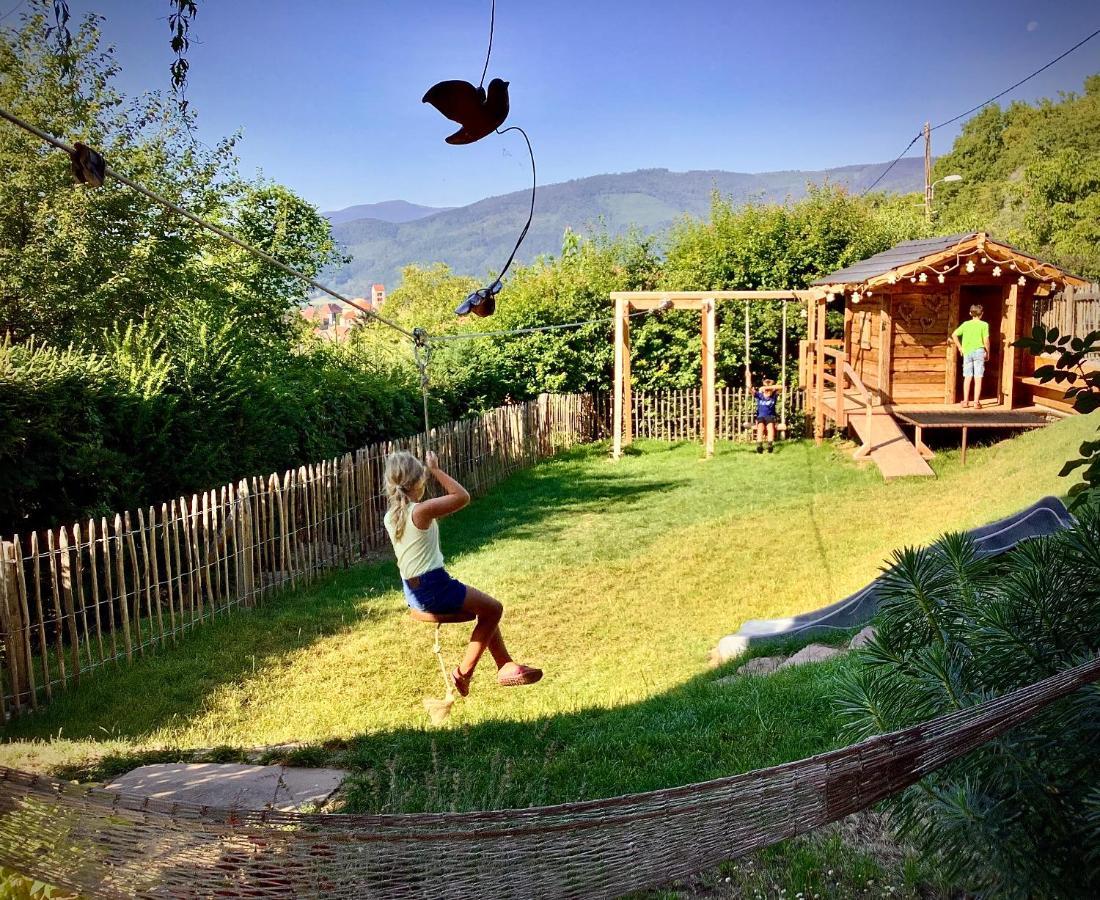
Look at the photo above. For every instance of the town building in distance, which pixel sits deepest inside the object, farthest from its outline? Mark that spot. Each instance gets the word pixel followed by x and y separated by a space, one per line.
pixel 333 321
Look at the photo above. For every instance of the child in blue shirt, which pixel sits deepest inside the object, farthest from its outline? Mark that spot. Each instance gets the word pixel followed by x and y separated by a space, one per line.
pixel 766 398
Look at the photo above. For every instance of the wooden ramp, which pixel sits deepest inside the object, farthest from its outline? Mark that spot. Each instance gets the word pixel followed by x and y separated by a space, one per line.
pixel 891 450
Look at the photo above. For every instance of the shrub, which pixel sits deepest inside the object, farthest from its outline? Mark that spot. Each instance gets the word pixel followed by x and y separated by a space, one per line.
pixel 1020 816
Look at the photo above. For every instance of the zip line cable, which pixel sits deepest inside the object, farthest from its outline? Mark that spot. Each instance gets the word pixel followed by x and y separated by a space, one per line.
pixel 974 109
pixel 509 332
pixel 209 226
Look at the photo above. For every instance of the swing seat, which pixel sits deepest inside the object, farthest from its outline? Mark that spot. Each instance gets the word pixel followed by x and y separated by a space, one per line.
pixel 441 618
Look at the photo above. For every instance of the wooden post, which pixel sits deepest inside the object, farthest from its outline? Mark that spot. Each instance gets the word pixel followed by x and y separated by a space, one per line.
pixel 951 379
pixel 166 543
pixel 841 412
pixel 135 579
pixel 65 570
pixel 628 387
pixel 620 353
pixel 24 610
pixel 819 373
pixel 78 590
pixel 12 639
pixel 709 331
pixel 120 577
pixel 1009 333
pixel 59 619
pixel 886 350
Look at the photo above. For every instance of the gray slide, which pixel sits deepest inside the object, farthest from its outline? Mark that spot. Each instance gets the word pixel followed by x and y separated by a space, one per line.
pixel 1046 517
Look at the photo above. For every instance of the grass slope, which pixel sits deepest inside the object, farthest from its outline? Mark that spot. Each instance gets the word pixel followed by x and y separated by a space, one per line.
pixel 618 579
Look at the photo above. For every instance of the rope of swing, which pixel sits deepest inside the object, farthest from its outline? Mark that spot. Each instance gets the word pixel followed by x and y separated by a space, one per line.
pixel 209 226
pixel 782 362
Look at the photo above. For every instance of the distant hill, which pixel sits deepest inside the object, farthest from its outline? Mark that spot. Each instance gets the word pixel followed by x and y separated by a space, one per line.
pixel 396 211
pixel 477 238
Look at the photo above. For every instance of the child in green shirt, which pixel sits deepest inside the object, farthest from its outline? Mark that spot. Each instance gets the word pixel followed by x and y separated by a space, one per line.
pixel 972 340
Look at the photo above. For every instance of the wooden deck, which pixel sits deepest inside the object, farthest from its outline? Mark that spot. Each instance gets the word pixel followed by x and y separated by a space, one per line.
pixel 965 419
pixel 899 457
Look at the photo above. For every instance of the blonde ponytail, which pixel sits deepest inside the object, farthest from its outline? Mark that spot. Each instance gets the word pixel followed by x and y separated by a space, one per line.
pixel 403 474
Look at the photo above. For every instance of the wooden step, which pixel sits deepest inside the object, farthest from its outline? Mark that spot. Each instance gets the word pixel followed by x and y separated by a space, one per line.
pixel 891 450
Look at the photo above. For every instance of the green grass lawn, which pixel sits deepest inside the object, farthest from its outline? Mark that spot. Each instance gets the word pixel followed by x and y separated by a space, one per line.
pixel 618 578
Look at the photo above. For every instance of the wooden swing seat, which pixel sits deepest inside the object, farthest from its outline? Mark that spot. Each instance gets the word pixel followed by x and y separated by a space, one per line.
pixel 441 618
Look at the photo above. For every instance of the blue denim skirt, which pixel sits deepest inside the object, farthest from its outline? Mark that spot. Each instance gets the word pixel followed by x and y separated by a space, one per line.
pixel 437 592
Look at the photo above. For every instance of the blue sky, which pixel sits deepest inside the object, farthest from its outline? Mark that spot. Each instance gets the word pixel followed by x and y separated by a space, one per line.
pixel 327 93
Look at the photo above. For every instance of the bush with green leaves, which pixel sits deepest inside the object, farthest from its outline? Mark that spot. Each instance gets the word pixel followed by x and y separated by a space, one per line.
pixel 1019 817
pixel 1073 366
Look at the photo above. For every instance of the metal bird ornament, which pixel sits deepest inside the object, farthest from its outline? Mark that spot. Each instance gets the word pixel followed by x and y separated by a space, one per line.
pixel 482 302
pixel 478 111
pixel 88 166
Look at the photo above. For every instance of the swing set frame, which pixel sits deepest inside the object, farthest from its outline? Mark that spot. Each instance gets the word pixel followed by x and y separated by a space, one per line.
pixel 629 303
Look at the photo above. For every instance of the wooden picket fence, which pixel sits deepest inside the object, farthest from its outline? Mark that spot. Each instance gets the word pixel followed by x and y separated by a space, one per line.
pixel 1074 311
pixel 677 415
pixel 77 598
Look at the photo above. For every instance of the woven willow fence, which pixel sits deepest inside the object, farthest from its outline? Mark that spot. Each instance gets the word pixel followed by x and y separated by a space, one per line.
pixel 678 415
pixel 104 844
pixel 79 597
pixel 1074 311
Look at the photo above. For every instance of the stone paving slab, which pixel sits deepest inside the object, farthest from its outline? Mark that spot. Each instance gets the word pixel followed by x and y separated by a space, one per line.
pixel 231 784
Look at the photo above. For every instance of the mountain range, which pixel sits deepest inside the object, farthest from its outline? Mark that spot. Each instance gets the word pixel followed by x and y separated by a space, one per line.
pixel 476 239
pixel 393 211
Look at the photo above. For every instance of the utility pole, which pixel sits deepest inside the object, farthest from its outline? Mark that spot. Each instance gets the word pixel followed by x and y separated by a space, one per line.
pixel 927 172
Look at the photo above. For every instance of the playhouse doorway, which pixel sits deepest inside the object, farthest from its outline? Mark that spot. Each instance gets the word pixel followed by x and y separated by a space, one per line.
pixel 991 299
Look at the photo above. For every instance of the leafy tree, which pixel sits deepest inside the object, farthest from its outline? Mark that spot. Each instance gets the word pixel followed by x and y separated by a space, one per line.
pixel 1031 175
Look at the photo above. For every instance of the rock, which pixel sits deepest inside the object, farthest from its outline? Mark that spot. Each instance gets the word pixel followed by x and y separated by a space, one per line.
pixel 725 681
pixel 762 665
pixel 812 653
pixel 863 638
pixel 731 647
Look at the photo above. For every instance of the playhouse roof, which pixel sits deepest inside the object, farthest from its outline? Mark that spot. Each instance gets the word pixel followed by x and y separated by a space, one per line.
pixel 929 251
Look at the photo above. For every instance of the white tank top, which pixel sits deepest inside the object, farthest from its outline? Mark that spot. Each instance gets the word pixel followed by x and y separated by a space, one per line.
pixel 418 550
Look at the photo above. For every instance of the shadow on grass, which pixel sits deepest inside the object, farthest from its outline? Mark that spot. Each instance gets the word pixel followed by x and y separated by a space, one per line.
pixel 523 505
pixel 124 701
pixel 711 726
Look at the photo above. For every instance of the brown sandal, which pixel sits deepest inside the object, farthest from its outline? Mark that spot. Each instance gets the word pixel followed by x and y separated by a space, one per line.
pixel 525 675
pixel 462 682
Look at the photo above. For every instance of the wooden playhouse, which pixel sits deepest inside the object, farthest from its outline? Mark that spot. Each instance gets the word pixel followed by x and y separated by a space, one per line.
pixel 896 365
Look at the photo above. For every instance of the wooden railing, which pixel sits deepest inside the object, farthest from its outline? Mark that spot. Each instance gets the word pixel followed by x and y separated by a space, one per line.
pixel 841 374
pixel 79 598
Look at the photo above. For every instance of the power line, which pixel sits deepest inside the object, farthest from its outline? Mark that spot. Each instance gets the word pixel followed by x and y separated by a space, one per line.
pixel 1018 83
pixel 14 9
pixel 209 226
pixel 886 171
pixel 973 109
